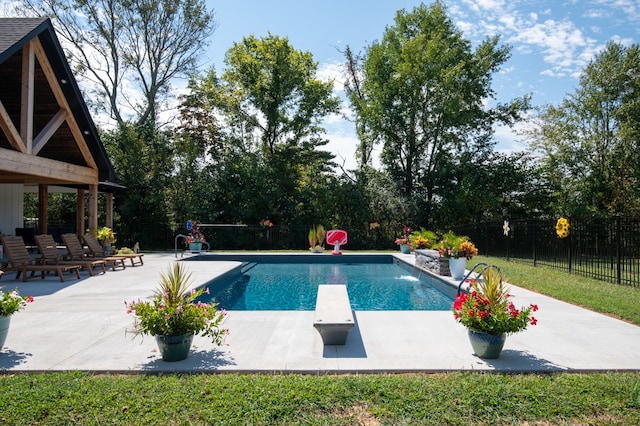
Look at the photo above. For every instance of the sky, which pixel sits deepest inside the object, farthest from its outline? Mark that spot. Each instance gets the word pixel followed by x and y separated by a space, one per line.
pixel 551 42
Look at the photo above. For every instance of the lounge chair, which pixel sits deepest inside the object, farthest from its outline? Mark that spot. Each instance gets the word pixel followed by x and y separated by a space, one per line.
pixel 19 260
pixel 76 252
pixel 51 256
pixel 97 251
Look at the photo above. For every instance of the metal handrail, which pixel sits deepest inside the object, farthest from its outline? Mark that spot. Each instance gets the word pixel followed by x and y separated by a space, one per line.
pixel 176 244
pixel 185 237
pixel 484 266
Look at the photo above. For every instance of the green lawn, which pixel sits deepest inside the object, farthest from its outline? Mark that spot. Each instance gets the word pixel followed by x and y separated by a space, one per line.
pixel 370 399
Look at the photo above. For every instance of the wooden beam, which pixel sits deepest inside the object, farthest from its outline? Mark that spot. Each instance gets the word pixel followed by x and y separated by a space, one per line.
pixel 19 163
pixel 27 90
pixel 109 209
pixel 10 130
pixel 62 102
pixel 49 130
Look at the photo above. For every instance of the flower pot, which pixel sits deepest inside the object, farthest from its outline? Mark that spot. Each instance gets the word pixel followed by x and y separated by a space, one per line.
pixel 106 246
pixel 195 247
pixel 174 348
pixel 4 328
pixel 457 267
pixel 405 249
pixel 485 345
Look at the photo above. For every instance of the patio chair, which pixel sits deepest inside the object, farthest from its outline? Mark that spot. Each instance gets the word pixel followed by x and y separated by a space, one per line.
pixel 19 260
pixel 96 250
pixel 76 252
pixel 49 255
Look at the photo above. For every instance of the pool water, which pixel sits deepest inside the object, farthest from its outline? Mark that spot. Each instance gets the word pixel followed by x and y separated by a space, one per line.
pixel 371 287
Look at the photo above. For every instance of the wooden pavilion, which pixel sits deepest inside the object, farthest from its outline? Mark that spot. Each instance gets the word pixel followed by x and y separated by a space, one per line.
pixel 48 138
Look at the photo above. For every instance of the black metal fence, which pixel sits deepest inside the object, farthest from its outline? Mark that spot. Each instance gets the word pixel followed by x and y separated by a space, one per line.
pixel 605 249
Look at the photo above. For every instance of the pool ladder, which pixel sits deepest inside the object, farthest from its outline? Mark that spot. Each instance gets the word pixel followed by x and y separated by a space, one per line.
pixel 482 267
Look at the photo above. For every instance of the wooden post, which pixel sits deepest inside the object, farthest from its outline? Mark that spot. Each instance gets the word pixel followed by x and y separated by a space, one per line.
pixel 93 206
pixel 109 209
pixel 43 213
pixel 80 211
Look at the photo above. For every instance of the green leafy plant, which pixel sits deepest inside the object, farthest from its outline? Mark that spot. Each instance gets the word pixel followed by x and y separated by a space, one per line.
pixel 456 246
pixel 105 235
pixel 406 236
pixel 488 306
pixel 11 302
pixel 316 238
pixel 175 311
pixel 422 239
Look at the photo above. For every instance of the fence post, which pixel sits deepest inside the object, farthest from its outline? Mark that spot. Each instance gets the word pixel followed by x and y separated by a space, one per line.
pixel 618 252
pixel 535 237
pixel 570 245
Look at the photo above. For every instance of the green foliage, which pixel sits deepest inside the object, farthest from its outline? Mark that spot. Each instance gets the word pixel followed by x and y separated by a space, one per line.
pixel 174 310
pixel 488 308
pixel 11 302
pixel 240 399
pixel 143 161
pixel 588 143
pixel 422 89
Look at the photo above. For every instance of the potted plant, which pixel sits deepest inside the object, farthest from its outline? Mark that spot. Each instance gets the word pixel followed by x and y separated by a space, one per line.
pixel 316 239
pixel 422 239
pixel 489 314
pixel 403 241
pixel 106 236
pixel 457 249
pixel 10 303
pixel 174 316
pixel 195 238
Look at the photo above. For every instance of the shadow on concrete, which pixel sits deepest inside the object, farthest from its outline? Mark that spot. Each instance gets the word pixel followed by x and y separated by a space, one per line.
pixel 353 347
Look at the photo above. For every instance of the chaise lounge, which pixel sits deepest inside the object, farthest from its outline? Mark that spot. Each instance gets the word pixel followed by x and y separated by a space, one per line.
pixel 76 252
pixel 96 250
pixel 20 261
pixel 51 256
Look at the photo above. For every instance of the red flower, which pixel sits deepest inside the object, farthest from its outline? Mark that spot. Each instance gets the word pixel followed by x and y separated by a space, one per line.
pixel 533 321
pixel 534 307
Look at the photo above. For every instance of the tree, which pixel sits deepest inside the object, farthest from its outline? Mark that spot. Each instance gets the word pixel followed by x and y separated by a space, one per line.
pixel 421 92
pixel 589 143
pixel 129 51
pixel 273 100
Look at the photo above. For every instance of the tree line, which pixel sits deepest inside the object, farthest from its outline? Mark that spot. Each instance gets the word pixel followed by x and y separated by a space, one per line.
pixel 248 143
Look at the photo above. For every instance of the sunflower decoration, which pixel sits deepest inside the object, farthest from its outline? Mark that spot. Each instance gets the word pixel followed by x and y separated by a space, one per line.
pixel 562 227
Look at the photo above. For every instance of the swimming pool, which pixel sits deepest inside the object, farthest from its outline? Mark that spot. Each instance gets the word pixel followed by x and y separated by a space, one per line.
pixel 294 286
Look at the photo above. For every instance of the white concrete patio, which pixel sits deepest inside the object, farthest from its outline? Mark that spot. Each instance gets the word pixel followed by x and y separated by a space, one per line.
pixel 81 325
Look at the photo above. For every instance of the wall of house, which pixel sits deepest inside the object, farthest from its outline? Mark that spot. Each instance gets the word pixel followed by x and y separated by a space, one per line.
pixel 11 208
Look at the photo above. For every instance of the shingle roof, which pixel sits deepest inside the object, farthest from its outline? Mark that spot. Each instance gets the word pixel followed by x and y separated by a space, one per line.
pixel 15 33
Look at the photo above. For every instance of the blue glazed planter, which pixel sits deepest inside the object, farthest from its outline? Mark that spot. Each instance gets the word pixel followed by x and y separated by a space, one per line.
pixel 485 345
pixel 174 348
pixel 405 249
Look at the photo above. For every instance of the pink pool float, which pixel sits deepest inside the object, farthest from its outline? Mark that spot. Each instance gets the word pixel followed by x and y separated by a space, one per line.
pixel 337 238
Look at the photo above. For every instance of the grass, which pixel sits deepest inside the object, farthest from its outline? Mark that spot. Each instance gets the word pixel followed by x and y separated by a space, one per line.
pixel 459 398
pixel 455 399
